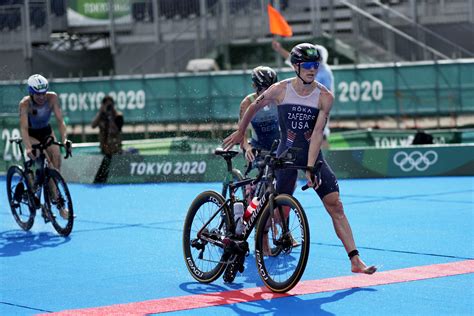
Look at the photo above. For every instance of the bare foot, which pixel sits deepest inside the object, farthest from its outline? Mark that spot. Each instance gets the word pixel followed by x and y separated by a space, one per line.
pixel 358 266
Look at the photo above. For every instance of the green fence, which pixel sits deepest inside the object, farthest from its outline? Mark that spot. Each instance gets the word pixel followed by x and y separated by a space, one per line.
pixel 416 161
pixel 361 91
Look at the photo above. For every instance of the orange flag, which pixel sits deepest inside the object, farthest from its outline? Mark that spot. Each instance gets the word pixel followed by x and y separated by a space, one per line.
pixel 278 24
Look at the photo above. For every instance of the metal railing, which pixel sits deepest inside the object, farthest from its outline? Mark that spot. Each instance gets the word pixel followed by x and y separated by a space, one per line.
pixel 457 48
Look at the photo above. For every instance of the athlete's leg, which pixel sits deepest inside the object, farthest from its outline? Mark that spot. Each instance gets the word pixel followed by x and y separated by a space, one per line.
pixel 54 155
pixel 329 194
pixel 334 207
pixel 31 176
pixel 286 180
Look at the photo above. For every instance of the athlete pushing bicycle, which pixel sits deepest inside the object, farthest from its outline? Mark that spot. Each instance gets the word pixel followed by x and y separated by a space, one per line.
pixel 303 108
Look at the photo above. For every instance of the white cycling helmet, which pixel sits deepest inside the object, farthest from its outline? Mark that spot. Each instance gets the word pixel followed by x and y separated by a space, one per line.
pixel 37 84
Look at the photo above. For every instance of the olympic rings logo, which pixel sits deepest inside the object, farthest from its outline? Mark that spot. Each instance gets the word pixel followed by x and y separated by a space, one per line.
pixel 415 160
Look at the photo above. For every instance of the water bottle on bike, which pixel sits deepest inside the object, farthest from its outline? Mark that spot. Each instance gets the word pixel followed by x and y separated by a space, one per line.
pixel 251 208
pixel 239 217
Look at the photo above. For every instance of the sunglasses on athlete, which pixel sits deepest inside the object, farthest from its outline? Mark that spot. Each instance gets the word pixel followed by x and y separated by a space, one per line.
pixel 310 64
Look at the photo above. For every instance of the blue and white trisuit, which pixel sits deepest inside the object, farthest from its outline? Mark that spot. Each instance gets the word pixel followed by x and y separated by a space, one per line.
pixel 297 117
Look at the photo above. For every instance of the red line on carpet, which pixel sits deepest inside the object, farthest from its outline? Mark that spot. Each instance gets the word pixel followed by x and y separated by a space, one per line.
pixel 171 304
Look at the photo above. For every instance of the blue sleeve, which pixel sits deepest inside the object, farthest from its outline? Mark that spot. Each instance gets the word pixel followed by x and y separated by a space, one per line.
pixel 325 77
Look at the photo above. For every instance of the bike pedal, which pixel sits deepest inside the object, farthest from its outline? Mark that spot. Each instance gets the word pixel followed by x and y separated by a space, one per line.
pixel 236 266
pixel 230 273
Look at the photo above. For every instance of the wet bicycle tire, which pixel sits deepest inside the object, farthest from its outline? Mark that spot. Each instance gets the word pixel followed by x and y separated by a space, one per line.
pixel 208 264
pixel 271 268
pixel 24 216
pixel 63 226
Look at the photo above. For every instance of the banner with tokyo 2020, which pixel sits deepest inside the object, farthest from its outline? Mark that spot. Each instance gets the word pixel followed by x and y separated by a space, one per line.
pixel 169 168
pixel 412 161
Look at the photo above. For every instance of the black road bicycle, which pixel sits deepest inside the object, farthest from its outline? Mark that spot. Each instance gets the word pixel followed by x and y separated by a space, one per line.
pixel 24 188
pixel 212 248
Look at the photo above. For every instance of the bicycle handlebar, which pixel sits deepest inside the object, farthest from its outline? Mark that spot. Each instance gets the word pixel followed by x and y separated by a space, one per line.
pixel 315 174
pixel 46 143
pixel 275 163
pixel 284 161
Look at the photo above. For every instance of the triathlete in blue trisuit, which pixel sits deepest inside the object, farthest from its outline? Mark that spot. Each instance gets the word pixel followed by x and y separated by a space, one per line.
pixel 304 106
pixel 35 112
pixel 264 124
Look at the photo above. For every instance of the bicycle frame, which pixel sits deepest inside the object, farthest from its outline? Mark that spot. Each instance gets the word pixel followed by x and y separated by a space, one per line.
pixel 267 198
pixel 213 246
pixel 41 161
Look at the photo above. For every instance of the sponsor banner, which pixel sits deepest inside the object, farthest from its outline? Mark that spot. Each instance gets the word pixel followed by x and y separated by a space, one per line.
pixel 10 128
pixel 416 161
pixel 81 168
pixel 393 138
pixel 96 12
pixel 169 168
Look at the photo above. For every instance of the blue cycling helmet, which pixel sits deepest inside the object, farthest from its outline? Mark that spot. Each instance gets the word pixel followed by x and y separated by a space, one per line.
pixel 37 84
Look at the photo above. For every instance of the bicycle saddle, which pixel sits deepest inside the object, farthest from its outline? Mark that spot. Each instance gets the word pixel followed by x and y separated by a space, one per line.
pixel 225 153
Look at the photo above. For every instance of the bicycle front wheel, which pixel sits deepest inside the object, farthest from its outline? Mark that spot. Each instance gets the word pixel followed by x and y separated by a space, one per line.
pixel 58 202
pixel 21 204
pixel 204 259
pixel 282 256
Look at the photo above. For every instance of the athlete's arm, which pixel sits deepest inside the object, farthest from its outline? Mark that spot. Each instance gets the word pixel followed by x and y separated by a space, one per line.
pixel 23 110
pixel 325 102
pixel 271 95
pixel 244 105
pixel 246 147
pixel 54 101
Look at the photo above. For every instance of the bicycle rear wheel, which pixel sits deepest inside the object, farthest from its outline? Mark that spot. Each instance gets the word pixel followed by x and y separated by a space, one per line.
pixel 58 202
pixel 21 205
pixel 203 259
pixel 281 259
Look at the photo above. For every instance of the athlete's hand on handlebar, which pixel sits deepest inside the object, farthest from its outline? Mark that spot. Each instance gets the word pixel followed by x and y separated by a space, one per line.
pixel 313 175
pixel 233 139
pixel 250 154
pixel 31 153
